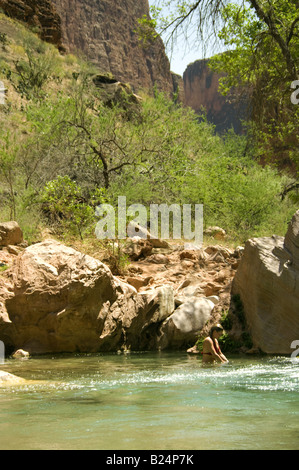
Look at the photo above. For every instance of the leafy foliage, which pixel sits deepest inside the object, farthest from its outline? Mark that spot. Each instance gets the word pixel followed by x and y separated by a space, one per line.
pixel 264 58
pixel 63 155
pixel 64 203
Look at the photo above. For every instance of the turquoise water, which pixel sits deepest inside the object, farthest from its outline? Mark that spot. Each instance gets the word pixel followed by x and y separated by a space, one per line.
pixel 150 401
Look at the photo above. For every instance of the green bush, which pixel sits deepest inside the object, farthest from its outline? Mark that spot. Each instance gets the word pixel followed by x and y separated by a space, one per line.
pixel 66 206
pixel 39 65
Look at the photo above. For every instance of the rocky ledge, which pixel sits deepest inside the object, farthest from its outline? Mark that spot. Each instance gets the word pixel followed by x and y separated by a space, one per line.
pixel 54 298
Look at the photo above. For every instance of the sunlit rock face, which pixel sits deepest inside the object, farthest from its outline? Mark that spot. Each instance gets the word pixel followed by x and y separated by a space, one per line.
pixel 105 32
pixel 267 281
pixel 201 91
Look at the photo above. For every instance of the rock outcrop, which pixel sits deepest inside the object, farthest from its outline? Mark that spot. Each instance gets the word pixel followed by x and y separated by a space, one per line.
pixel 186 322
pixel 201 90
pixel 104 32
pixel 40 14
pixel 54 298
pixel 10 234
pixel 267 281
pixel 7 379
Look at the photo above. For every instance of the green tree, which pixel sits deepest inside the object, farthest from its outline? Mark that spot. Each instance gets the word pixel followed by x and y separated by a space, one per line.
pixel 262 39
pixel 263 61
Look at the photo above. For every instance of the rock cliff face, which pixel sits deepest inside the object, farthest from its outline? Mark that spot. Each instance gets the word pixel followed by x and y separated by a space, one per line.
pixel 104 31
pixel 201 89
pixel 267 281
pixel 38 13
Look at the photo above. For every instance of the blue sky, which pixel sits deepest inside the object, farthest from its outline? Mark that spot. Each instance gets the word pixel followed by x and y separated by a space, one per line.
pixel 183 53
pixel 186 53
pixel 180 58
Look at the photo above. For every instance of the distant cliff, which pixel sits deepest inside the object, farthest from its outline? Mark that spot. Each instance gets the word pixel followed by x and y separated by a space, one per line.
pixel 201 90
pixel 104 31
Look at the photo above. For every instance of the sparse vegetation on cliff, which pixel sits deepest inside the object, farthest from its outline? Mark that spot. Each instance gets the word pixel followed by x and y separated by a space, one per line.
pixel 151 151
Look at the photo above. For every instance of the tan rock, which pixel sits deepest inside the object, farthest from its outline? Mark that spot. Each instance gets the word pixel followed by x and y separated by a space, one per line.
pixel 187 264
pixel 216 232
pixel 133 323
pixel 158 258
pixel 291 243
pixel 9 379
pixel 105 32
pixel 137 232
pixel 55 299
pixel 184 325
pixel 40 14
pixel 212 289
pixel 267 281
pixel 10 234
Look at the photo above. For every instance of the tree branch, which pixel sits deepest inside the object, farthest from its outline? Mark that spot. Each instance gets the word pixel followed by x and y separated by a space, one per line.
pixel 288 189
pixel 292 30
pixel 267 18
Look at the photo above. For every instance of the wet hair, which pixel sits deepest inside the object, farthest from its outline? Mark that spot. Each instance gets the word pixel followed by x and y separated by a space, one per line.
pixel 217 327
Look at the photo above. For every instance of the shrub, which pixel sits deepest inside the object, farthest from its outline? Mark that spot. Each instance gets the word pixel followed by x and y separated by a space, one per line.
pixel 67 207
pixel 39 65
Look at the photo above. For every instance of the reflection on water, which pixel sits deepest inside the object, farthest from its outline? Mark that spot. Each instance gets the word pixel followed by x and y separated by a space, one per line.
pixel 163 401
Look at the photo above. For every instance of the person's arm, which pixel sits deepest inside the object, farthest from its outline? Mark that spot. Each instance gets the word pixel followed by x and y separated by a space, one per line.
pixel 221 355
pixel 211 349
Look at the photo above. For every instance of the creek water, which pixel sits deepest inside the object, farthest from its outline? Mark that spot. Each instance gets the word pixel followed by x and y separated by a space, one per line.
pixel 146 401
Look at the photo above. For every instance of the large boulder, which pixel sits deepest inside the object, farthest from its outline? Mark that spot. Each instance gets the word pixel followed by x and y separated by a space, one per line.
pixel 135 323
pixel 186 322
pixel 267 281
pixel 9 379
pixel 54 300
